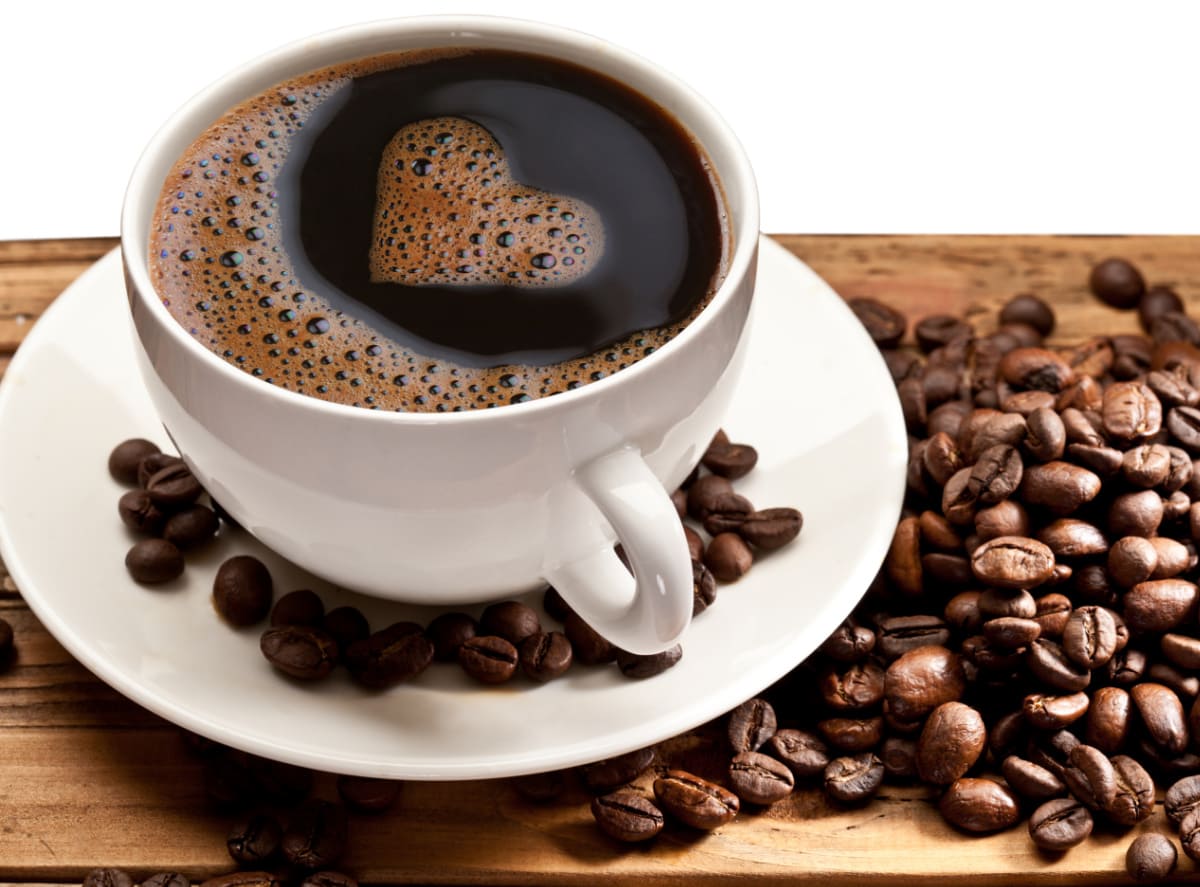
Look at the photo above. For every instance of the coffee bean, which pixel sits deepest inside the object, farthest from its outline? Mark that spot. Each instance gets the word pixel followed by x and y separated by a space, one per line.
pixel 962 614
pixel 316 836
pixel 951 742
pixel 587 645
pixel 1090 776
pixel 448 631
pixel 1108 719
pixel 1092 359
pixel 1060 824
pixel 254 840
pixel 328 879
pixel 346 625
pixel 1010 632
pixel 151 464
pixel 1131 411
pixel 1049 663
pixel 1127 667
pixel 1146 466
pixel 695 801
pixel 1174 326
pixel 804 752
pixel 853 779
pixel 1182 798
pixel 1189 834
pixel 858 687
pixel 884 325
pixel 606 775
pixel 301 607
pixel 646 665
pixel 1007 518
pixel 903 561
pixel 1132 560
pixel 1046 436
pixel 1028 309
pixel 912 402
pixel 1070 537
pixel 898 635
pixel 994 429
pixel 1160 605
pixel 901 364
pixel 851 735
pixel 704 587
pixel 545 655
pixel 1173 558
pixel 730 460
pixel 1031 781
pixel 511 620
pixel 243 879
pixel 1183 422
pixel 1052 614
pixel 750 725
pixel 1051 750
pixel 367 794
pixel 1182 650
pixel 726 513
pixel 771 528
pixel 1162 715
pixel 979 805
pixel 107 878
pixel 1151 858
pixel 1013 562
pixel 1059 487
pixel 1135 514
pixel 1173 388
pixel 899 757
pixel 704 493
pixel 849 642
pixel 728 557
pixel 191 527
pixel 627 816
pixel 938 330
pixel 167 879
pixel 140 514
pixel 1155 302
pixel 125 456
pixel 1118 283
pixel 394 654
pixel 1036 368
pixel 1044 711
pixel 153 561
pixel 759 779
pixel 242 590
pixel 921 680
pixel 489 659
pixel 174 487
pixel 1090 636
pixel 995 475
pixel 300 651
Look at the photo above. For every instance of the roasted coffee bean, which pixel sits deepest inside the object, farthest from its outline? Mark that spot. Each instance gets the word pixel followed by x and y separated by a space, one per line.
pixel 368 794
pixel 1023 335
pixel 731 460
pixel 167 879
pixel 1146 466
pixel 1127 667
pixel 1036 368
pixel 1182 650
pixel 1135 514
pixel 849 642
pixel 1007 518
pixel 1031 781
pixel 1103 461
pixel 300 607
pixel 174 487
pixel 897 635
pixel 1053 613
pixel 704 493
pixel 995 475
pixel 1118 283
pixel 1046 436
pixel 771 528
pixel 1060 824
pixel 1090 776
pixel 1134 799
pixel 1048 712
pixel 1093 358
pixel 726 513
pixel 901 364
pixel 511 620
pixel 1151 858
pixel 1049 663
pixel 695 801
pixel 899 756
pixel 1173 558
pixel 750 725
pixel 1184 424
pixel 242 590
pixel 979 805
pixel 243 879
pixel 191 527
pixel 958 504
pixel 124 459
pixel 254 840
pixel 728 557
pixel 853 779
pixel 316 836
pixel 1173 387
pixel 1059 487
pixel 937 532
pixel 804 752
pixel 912 402
pixel 1028 309
pixel 1070 537
pixel 858 687
pixel 1090 636
pixel 939 330
pixel 152 561
pixel 489 659
pixel 850 735
pixel 1131 411
pixel 1176 506
pixel 962 614
pixel 948 417
pixel 1155 302
pixel 903 561
pixel 1108 719
pixel 951 742
pixel 1189 834
pixel 1051 750
pixel 545 655
pixel 990 658
pixel 604 776
pixel 1186 686
pixel 1131 560
pixel 300 651
pixel 1174 326
pixel 759 779
pixel 140 514
pixel 391 655
pixel 1182 798
pixel 1013 562
pixel 346 625
pixel 695 544
pixel 921 680
pixel 448 632
pixel 1010 632
pixel 884 325
pixel 1000 603
pixel 327 879
pixel 540 787
pixel 587 645
pixel 1162 715
pixel 996 430
pixel 107 878
pixel 646 665
pixel 151 464
pixel 627 816
pixel 1160 605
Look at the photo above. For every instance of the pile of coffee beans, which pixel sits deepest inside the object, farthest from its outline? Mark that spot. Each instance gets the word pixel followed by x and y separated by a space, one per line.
pixel 307 643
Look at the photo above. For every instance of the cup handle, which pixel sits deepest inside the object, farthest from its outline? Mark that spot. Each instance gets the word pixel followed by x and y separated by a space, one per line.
pixel 647 612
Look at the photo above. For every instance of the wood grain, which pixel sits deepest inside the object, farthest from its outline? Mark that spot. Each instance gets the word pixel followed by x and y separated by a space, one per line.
pixel 87 778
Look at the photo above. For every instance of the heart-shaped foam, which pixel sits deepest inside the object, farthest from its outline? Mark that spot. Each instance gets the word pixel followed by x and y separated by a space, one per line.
pixel 447 211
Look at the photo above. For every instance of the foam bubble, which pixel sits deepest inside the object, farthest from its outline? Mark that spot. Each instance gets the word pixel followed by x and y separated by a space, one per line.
pixel 448 177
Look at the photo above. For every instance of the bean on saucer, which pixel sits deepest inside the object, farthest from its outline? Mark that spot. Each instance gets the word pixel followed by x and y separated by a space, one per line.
pixel 123 460
pixel 242 590
pixel 152 561
pixel 191 527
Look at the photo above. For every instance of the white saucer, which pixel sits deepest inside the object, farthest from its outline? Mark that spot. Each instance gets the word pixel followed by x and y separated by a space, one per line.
pixel 816 400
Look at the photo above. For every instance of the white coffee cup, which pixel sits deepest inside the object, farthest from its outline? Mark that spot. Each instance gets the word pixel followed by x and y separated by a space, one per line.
pixel 455 508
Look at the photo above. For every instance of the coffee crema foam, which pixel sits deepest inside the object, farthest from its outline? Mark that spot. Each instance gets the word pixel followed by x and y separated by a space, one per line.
pixel 219 264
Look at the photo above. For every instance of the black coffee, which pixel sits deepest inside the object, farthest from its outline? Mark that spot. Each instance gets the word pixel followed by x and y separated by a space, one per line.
pixel 442 230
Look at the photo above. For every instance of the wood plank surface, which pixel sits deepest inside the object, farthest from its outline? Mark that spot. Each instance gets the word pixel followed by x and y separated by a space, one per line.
pixel 87 778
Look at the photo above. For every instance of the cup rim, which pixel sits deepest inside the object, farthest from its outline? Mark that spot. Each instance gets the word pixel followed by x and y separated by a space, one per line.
pixel 476 30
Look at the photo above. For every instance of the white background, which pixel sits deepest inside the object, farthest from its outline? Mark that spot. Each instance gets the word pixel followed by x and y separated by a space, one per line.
pixel 1060 117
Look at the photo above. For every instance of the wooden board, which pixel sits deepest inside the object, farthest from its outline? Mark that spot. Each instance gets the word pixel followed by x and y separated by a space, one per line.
pixel 88 778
